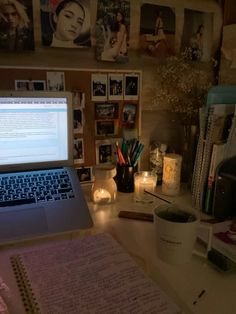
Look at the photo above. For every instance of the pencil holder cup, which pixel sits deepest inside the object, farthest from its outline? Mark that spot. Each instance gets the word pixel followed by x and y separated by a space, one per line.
pixel 125 178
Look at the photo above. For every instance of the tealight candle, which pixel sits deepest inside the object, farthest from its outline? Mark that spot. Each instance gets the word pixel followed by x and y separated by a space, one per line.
pixel 171 174
pixel 104 189
pixel 144 180
pixel 101 196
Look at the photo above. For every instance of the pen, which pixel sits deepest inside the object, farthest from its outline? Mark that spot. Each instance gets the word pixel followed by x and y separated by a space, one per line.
pixel 160 198
pixel 199 296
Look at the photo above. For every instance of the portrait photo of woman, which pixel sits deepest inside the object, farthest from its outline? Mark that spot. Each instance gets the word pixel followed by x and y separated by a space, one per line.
pixel 16 25
pixel 65 23
pixel 112 31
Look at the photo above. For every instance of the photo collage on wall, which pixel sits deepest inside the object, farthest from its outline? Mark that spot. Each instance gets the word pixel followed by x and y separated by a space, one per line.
pixel 106 28
pixel 115 97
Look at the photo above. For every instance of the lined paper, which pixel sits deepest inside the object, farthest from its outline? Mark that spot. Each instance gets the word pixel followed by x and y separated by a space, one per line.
pixel 92 274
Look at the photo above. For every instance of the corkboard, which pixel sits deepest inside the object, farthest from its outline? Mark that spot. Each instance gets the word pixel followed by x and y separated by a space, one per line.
pixel 77 80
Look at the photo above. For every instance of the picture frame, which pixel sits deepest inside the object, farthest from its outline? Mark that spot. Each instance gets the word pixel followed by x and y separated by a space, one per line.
pixel 131 87
pixel 31 85
pixel 78 150
pixel 98 87
pixel 85 174
pixel 115 86
pixel 104 111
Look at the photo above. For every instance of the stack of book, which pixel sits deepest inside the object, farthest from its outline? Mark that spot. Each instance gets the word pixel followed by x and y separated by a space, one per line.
pixel 216 137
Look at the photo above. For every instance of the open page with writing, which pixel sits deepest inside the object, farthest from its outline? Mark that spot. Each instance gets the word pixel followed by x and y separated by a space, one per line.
pixel 92 274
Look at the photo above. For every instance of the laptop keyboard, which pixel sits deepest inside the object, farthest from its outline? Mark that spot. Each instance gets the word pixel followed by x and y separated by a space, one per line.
pixel 35 187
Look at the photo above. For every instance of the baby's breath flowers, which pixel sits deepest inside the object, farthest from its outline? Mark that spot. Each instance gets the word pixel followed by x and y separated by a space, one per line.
pixel 182 87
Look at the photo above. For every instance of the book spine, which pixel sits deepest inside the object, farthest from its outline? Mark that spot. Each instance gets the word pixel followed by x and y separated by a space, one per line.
pixel 216 157
pixel 27 295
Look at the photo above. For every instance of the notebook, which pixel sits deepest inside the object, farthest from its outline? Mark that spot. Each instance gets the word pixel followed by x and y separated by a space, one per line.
pixel 39 189
pixel 90 274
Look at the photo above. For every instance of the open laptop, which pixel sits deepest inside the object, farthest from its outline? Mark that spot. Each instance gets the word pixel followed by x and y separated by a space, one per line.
pixel 40 192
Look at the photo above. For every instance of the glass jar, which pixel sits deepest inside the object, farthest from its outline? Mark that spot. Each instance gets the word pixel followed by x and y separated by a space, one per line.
pixel 104 189
pixel 157 153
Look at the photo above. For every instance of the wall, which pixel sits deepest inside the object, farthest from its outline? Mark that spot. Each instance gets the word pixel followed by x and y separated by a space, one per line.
pixel 156 124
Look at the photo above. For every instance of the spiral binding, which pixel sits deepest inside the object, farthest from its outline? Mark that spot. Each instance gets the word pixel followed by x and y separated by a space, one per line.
pixel 27 295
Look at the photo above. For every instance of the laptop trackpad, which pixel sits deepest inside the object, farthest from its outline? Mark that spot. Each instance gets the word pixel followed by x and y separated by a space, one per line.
pixel 17 223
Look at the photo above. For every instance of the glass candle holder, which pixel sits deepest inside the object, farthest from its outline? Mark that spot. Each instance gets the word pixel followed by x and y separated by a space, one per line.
pixel 104 189
pixel 144 180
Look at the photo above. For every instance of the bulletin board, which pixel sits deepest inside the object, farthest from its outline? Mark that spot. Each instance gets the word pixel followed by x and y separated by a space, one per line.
pixel 106 107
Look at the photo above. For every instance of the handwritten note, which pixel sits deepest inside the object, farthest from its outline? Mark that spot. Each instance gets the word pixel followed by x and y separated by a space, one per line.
pixel 92 274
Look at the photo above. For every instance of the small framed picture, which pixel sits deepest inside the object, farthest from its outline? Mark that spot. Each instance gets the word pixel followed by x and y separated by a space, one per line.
pixel 78 151
pixel 85 174
pixel 115 87
pixel 131 87
pixel 105 111
pixel 30 85
pixel 106 127
pixel 99 87
pixel 129 115
pixel 78 99
pixel 78 121
pixel 55 81
pixel 104 151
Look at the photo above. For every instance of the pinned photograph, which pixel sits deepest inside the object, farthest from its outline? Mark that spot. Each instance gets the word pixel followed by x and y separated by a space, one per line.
pixel 197 38
pixel 16 25
pixel 58 25
pixel 157 30
pixel 131 87
pixel 30 85
pixel 105 111
pixel 85 174
pixel 129 115
pixel 104 152
pixel 105 128
pixel 78 98
pixel 78 151
pixel 78 121
pixel 112 31
pixel 55 81
pixel 115 86
pixel 99 87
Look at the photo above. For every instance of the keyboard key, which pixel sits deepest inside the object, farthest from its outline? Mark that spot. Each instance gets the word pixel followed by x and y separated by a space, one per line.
pixel 17 202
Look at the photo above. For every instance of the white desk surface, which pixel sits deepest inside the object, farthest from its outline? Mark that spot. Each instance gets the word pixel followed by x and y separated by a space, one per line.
pixel 183 282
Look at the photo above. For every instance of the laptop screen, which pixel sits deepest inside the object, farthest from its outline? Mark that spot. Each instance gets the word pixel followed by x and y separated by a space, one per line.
pixel 34 128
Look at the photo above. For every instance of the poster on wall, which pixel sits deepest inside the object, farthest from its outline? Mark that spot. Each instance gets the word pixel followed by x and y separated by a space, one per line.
pixel 65 24
pixel 112 31
pixel 157 30
pixel 16 25
pixel 197 35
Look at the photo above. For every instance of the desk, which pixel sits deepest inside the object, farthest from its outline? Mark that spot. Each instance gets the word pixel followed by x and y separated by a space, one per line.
pixel 183 283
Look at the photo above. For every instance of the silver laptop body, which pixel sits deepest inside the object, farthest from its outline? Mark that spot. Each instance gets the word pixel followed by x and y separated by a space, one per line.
pixel 40 193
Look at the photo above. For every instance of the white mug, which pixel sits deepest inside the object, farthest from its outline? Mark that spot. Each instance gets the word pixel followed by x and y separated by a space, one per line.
pixel 176 233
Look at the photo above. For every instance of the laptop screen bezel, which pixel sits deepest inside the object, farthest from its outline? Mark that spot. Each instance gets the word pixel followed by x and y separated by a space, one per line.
pixel 48 164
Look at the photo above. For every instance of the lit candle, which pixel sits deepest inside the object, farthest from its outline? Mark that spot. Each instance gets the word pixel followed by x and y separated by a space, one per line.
pixel 101 196
pixel 144 180
pixel 171 174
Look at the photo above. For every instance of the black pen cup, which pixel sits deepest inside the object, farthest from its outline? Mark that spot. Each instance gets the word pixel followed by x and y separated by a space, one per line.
pixel 125 178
